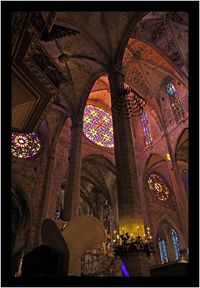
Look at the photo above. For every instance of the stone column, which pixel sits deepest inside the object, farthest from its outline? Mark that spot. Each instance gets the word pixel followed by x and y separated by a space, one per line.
pixel 130 212
pixel 137 264
pixel 178 186
pixel 72 189
pixel 170 248
pixel 179 192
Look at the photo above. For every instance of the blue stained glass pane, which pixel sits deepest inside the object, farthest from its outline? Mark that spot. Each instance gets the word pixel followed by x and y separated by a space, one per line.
pixel 146 128
pixel 175 102
pixel 171 91
pixel 176 244
pixel 185 178
pixel 163 250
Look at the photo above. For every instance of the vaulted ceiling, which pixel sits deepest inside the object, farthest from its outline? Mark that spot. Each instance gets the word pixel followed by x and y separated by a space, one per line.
pixel 63 71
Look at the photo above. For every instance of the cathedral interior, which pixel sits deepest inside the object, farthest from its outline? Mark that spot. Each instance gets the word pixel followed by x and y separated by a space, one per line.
pixel 99 143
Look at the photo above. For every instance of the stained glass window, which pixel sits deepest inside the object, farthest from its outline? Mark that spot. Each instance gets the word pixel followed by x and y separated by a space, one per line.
pixel 146 129
pixel 163 250
pixel 97 126
pixel 158 187
pixel 25 145
pixel 176 243
pixel 185 178
pixel 106 216
pixel 175 102
pixel 171 90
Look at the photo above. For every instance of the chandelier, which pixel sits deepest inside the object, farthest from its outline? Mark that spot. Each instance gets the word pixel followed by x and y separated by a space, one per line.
pixel 129 103
pixel 125 244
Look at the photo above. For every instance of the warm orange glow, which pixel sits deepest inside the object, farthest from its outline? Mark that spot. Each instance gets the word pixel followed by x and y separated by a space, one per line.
pixel 168 157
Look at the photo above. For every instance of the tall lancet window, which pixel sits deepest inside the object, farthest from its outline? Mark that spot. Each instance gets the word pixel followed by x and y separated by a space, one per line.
pixel 176 243
pixel 162 250
pixel 175 101
pixel 185 179
pixel 146 129
pixel 106 216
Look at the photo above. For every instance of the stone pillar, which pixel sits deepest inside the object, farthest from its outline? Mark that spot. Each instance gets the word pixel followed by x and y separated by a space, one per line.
pixel 137 264
pixel 47 183
pixel 178 186
pixel 42 187
pixel 179 191
pixel 170 248
pixel 130 213
pixel 72 189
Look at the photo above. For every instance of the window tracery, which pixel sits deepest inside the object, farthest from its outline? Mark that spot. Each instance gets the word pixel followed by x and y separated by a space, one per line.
pixel 176 243
pixel 146 129
pixel 97 126
pixel 25 145
pixel 158 187
pixel 175 101
pixel 162 250
pixel 185 178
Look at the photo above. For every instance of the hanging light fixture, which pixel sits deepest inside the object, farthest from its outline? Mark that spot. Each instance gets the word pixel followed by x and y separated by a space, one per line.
pixel 129 103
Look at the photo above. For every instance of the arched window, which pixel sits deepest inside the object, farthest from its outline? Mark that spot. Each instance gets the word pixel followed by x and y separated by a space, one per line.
pixel 162 250
pixel 185 178
pixel 25 145
pixel 106 216
pixel 176 243
pixel 175 101
pixel 146 129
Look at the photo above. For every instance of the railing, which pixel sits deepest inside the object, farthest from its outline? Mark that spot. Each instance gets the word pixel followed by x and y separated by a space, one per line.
pixel 100 265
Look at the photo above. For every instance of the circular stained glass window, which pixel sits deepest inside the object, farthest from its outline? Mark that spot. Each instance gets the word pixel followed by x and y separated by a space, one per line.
pixel 158 187
pixel 97 126
pixel 25 145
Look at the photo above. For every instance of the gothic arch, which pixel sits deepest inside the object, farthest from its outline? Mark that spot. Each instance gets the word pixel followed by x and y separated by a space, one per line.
pixel 96 168
pixel 169 223
pixel 153 160
pixel 178 71
pixel 140 34
pixel 101 160
pixel 181 149
pixel 17 187
pixel 87 91
pixel 98 184
pixel 126 36
pixel 21 218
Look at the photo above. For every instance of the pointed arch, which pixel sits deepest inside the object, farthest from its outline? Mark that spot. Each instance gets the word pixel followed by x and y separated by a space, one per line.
pixel 181 149
pixel 153 160
pixel 21 218
pixel 164 220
